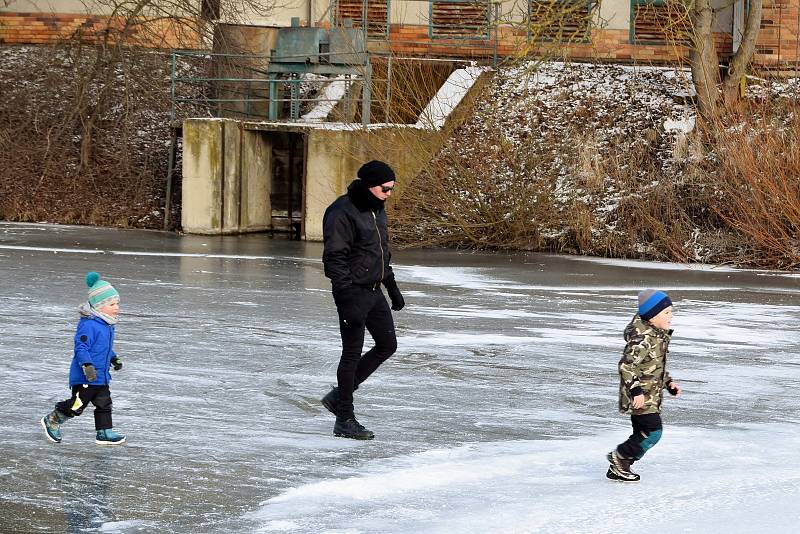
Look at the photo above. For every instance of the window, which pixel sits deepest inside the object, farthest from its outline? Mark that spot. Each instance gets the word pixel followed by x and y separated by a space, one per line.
pixel 459 19
pixel 377 15
pixel 209 9
pixel 659 22
pixel 563 21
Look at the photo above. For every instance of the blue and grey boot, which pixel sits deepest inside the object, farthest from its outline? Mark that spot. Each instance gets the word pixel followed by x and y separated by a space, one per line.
pixel 109 437
pixel 52 425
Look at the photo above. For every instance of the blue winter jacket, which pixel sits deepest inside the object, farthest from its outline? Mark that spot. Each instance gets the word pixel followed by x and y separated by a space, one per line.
pixel 94 341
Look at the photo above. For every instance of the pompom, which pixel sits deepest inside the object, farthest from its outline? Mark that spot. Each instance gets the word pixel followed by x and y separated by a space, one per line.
pixel 92 278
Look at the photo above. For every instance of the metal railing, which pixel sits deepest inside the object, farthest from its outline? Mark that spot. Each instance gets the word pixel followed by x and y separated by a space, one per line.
pixel 247 87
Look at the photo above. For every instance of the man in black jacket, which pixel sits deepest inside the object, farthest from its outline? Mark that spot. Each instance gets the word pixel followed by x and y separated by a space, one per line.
pixel 357 260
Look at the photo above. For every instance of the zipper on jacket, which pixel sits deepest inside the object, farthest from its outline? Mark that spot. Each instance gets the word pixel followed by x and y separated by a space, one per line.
pixel 380 242
pixel 108 354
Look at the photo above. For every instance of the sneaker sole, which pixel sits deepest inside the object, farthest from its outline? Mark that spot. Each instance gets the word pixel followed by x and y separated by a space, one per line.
pixel 616 478
pixel 614 474
pixel 110 443
pixel 46 433
pixel 366 438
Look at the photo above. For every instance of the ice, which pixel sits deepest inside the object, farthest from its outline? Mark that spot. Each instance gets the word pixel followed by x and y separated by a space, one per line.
pixel 493 416
pixel 697 483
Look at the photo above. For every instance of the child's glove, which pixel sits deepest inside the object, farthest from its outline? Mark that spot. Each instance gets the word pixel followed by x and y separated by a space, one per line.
pixel 116 361
pixel 90 372
pixel 673 388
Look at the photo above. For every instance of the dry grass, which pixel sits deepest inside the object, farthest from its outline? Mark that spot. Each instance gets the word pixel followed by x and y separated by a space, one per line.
pixel 724 195
pixel 42 178
pixel 758 183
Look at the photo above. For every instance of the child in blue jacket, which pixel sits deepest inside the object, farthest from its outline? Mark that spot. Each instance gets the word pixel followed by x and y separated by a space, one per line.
pixel 94 356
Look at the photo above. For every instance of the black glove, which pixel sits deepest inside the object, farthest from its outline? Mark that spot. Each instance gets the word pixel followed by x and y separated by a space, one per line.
pixel 394 293
pixel 116 361
pixel 348 306
pixel 90 372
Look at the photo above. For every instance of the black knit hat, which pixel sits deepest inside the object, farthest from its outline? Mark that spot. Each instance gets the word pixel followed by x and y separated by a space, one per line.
pixel 375 173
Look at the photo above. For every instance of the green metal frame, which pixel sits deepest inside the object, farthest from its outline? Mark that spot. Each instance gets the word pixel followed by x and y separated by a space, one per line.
pixel 175 79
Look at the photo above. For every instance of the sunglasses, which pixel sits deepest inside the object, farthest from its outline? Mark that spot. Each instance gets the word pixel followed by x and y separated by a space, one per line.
pixel 386 188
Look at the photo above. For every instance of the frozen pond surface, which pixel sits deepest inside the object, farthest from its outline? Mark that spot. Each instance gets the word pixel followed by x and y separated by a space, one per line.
pixel 494 415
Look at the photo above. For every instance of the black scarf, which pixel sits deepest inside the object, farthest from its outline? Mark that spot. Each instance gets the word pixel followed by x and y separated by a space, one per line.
pixel 362 197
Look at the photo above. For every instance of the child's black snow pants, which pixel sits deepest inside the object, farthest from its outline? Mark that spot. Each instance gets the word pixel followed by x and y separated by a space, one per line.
pixel 647 431
pixel 82 395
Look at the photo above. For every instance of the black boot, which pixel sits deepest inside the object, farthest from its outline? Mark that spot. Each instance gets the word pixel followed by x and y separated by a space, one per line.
pixel 619 468
pixel 331 401
pixel 347 427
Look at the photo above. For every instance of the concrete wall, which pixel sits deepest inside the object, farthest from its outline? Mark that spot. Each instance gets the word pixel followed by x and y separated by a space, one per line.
pixel 227 166
pixel 335 156
pixel 227 170
pixel 226 178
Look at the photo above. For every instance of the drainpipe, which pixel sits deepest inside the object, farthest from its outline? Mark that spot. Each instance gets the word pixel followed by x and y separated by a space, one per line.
pixel 308 12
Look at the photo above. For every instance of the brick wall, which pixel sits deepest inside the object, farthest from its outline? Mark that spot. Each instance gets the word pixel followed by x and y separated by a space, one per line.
pixel 41 28
pixel 604 44
pixel 778 43
pixel 779 37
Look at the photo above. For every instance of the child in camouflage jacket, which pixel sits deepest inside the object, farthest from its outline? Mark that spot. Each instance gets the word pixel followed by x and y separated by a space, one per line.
pixel 643 378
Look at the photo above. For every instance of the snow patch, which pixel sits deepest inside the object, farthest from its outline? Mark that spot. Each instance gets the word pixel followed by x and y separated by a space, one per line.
pixel 448 97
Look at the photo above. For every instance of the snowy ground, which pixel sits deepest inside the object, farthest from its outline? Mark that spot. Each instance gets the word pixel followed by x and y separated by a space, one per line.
pixel 494 415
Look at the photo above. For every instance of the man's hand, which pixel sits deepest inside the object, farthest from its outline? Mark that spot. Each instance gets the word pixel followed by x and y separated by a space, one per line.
pixel 90 372
pixel 674 389
pixel 398 302
pixel 638 402
pixel 116 361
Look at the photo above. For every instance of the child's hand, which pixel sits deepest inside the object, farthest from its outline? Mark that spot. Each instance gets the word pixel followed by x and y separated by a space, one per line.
pixel 674 389
pixel 90 372
pixel 116 361
pixel 638 402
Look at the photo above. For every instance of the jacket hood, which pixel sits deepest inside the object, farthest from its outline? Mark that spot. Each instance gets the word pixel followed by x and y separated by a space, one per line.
pixel 362 197
pixel 87 311
pixel 639 326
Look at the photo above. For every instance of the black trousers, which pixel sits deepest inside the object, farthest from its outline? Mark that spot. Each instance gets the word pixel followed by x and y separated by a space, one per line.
pixel 100 396
pixel 353 367
pixel 647 431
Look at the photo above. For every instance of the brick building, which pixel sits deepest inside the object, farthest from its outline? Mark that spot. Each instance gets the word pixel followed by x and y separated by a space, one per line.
pixel 650 31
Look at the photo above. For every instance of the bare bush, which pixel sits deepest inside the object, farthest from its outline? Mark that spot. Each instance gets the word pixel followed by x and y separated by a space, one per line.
pixel 758 183
pixel 50 172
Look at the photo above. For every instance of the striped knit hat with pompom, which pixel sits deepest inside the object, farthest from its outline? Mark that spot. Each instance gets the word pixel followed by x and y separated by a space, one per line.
pixel 101 293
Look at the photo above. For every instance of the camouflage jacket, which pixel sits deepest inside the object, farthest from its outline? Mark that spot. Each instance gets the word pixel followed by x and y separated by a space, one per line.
pixel 643 367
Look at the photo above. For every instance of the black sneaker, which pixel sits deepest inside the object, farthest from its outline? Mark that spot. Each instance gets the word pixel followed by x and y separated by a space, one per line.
pixel 331 401
pixel 619 468
pixel 350 428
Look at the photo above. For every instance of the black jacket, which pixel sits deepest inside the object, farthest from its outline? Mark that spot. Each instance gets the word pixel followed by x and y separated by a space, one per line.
pixel 356 238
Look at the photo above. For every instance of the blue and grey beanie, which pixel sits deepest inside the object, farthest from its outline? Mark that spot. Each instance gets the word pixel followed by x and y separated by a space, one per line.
pixel 652 302
pixel 101 292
